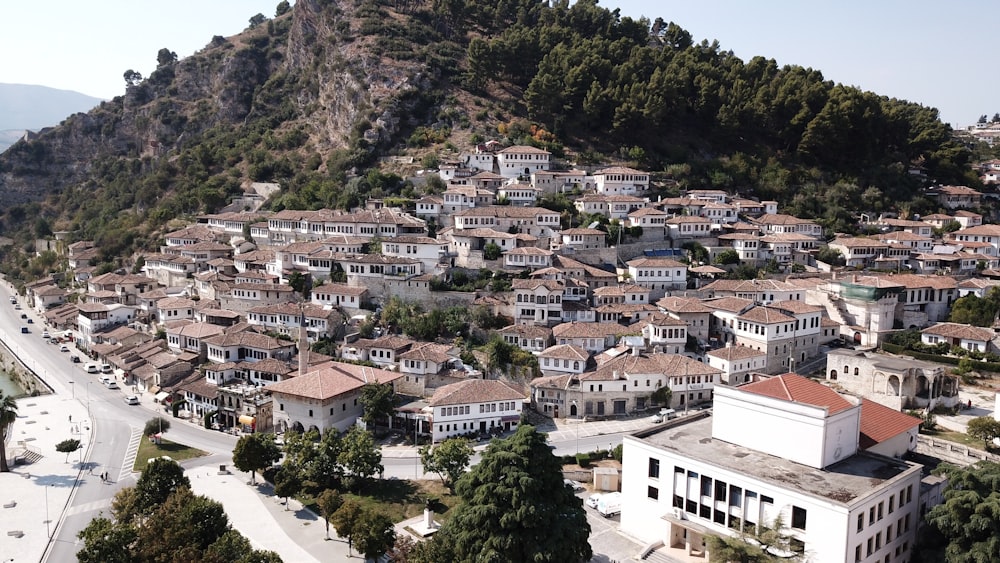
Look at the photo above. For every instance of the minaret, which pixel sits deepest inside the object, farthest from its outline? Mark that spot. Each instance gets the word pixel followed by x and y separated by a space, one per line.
pixel 303 343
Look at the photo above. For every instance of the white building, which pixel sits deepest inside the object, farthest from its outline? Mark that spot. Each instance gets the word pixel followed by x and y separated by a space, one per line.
pixel 522 161
pixel 474 406
pixel 727 474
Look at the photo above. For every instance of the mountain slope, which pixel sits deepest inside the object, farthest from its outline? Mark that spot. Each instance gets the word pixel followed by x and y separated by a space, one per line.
pixel 312 98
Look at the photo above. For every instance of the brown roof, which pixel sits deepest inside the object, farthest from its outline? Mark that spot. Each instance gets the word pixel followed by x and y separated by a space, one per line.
pixel 795 388
pixel 730 353
pixel 731 304
pixel 880 423
pixel 655 263
pixel 956 330
pixel 766 315
pixel 565 352
pixel 331 380
pixel 475 391
pixel 683 305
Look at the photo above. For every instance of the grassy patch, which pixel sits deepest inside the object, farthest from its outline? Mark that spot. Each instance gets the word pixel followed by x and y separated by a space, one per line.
pixel 147 449
pixel 957 437
pixel 400 500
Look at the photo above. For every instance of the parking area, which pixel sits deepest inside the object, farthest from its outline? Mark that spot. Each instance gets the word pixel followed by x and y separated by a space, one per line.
pixel 608 543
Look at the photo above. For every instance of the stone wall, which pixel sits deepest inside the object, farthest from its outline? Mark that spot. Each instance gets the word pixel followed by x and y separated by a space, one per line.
pixel 22 376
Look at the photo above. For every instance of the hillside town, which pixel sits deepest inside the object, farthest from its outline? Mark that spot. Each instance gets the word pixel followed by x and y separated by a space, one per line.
pixel 777 343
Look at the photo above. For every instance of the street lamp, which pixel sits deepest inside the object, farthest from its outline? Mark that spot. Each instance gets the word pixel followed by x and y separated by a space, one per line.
pixel 48 533
pixel 577 427
pixel 73 387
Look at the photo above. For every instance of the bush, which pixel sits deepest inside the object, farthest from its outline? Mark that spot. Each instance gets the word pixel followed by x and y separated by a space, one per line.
pixel 583 460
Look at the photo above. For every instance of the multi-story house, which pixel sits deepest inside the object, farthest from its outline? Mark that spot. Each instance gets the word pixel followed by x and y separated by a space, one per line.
pixel 428 251
pixel 383 351
pixel 516 161
pixel 474 406
pixel 519 193
pixel 290 318
pixel 659 275
pixel 563 358
pixel 989 234
pixel 621 180
pixel 339 295
pixel 726 475
pixel 788 331
pixel 538 301
pixel 665 333
pixel 169 269
pixel 774 224
pixel 737 363
pixel 746 245
pixel 593 337
pixel 458 198
pixel 189 336
pixel 690 310
pixel 247 346
pixel 688 227
pixel 582 239
pixel 327 397
pixel 530 338
pixel 956 197
pixel 611 206
pixel 536 221
pixel 529 257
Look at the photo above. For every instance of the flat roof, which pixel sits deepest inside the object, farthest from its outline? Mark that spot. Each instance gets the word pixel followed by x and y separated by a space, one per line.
pixel 842 483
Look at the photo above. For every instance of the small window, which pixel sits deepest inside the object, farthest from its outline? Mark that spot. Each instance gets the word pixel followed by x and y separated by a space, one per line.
pixel 654 468
pixel 653 493
pixel 798 518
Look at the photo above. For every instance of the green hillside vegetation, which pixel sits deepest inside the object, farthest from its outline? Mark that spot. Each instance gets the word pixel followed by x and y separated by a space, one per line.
pixel 583 82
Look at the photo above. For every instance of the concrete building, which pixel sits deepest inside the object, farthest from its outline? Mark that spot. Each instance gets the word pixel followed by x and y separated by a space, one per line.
pixel 727 475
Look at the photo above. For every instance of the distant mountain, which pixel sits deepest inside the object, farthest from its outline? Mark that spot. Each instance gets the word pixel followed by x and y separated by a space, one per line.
pixel 24 106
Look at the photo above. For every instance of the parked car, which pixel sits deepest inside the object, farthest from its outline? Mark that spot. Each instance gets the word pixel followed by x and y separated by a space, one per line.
pixel 131 400
pixel 45 334
pixel 91 367
pixel 111 384
pixel 31 322
pixel 24 330
pixel 575 485
pixel 24 315
pixel 75 359
pixel 63 348
pixel 593 499
pixel 106 368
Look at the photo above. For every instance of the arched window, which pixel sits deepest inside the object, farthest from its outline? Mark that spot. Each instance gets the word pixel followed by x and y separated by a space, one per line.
pixel 855 371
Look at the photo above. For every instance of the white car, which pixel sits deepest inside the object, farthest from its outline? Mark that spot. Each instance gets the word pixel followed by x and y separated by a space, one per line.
pixel 575 485
pixel 91 368
pixel 593 499
pixel 45 334
pixel 111 385
pixel 131 400
pixel 63 348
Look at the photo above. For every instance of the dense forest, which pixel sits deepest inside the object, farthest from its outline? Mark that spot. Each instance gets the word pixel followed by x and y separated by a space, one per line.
pixel 300 99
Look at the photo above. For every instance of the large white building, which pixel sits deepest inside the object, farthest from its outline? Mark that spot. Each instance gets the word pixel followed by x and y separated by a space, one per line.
pixel 729 473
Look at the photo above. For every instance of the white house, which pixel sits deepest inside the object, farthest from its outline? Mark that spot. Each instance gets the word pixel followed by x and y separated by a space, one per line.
pixel 658 274
pixel 621 180
pixel 474 406
pixel 516 161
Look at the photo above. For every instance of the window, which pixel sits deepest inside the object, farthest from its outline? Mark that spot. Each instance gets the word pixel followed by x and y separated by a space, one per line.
pixel 798 518
pixel 706 486
pixel 857 553
pixel 880 507
pixel 653 493
pixel 871 516
pixel 654 468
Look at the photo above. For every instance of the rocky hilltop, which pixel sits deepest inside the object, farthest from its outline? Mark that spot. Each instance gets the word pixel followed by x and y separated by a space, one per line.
pixel 310 71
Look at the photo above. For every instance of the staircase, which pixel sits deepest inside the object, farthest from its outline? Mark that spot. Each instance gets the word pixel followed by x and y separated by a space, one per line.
pixel 659 557
pixel 25 455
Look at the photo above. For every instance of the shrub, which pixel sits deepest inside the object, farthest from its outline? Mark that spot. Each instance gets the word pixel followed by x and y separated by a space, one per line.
pixel 583 460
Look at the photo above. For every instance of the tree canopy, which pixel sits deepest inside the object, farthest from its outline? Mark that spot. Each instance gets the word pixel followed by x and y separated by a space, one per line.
pixel 515 508
pixel 967 523
pixel 449 459
pixel 254 452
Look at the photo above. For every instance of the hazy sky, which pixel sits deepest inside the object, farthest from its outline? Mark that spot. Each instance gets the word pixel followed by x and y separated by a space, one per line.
pixel 931 52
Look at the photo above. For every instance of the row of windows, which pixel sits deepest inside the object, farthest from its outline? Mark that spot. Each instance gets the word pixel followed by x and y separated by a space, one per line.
pixel 493 407
pixel 455 411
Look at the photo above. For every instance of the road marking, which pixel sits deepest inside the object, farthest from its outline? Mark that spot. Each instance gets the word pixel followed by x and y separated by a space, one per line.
pixel 133 449
pixel 89 507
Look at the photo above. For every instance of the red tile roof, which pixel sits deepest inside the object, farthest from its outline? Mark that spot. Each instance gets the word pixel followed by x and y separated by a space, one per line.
pixel 798 389
pixel 880 423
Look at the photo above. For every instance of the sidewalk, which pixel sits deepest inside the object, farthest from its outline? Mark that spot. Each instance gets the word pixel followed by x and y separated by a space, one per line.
pixel 34 495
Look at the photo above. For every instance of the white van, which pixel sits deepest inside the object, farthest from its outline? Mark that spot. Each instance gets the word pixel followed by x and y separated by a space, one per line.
pixel 610 504
pixel 91 367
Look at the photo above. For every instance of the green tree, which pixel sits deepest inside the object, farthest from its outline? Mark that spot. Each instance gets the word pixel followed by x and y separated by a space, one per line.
pixel 345 519
pixel 373 534
pixel 67 447
pixel 491 251
pixel 156 425
pixel 8 414
pixel 254 452
pixel 360 455
pixel 329 501
pixel 727 257
pixel 967 523
pixel 766 544
pixel 159 479
pixel 378 401
pixel 831 256
pixel 449 459
pixel 105 541
pixel 974 310
pixel 257 20
pixel 515 506
pixel 165 57
pixel 132 77
pixel 698 252
pixel 282 8
pixel 287 483
pixel 984 428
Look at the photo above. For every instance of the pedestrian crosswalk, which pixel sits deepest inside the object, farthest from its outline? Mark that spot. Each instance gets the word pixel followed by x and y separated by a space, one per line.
pixel 133 449
pixel 102 504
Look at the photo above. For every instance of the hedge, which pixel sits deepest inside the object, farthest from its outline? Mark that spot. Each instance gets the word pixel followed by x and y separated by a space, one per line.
pixel 950 360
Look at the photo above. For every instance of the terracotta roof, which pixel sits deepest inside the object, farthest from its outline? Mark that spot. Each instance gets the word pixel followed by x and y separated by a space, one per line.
pixel 655 263
pixel 731 304
pixel 796 306
pixel 766 315
pixel 748 285
pixel 880 423
pixel 956 330
pixel 332 380
pixel 475 391
pixel 565 352
pixel 795 388
pixel 730 353
pixel 682 305
pixel 589 330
